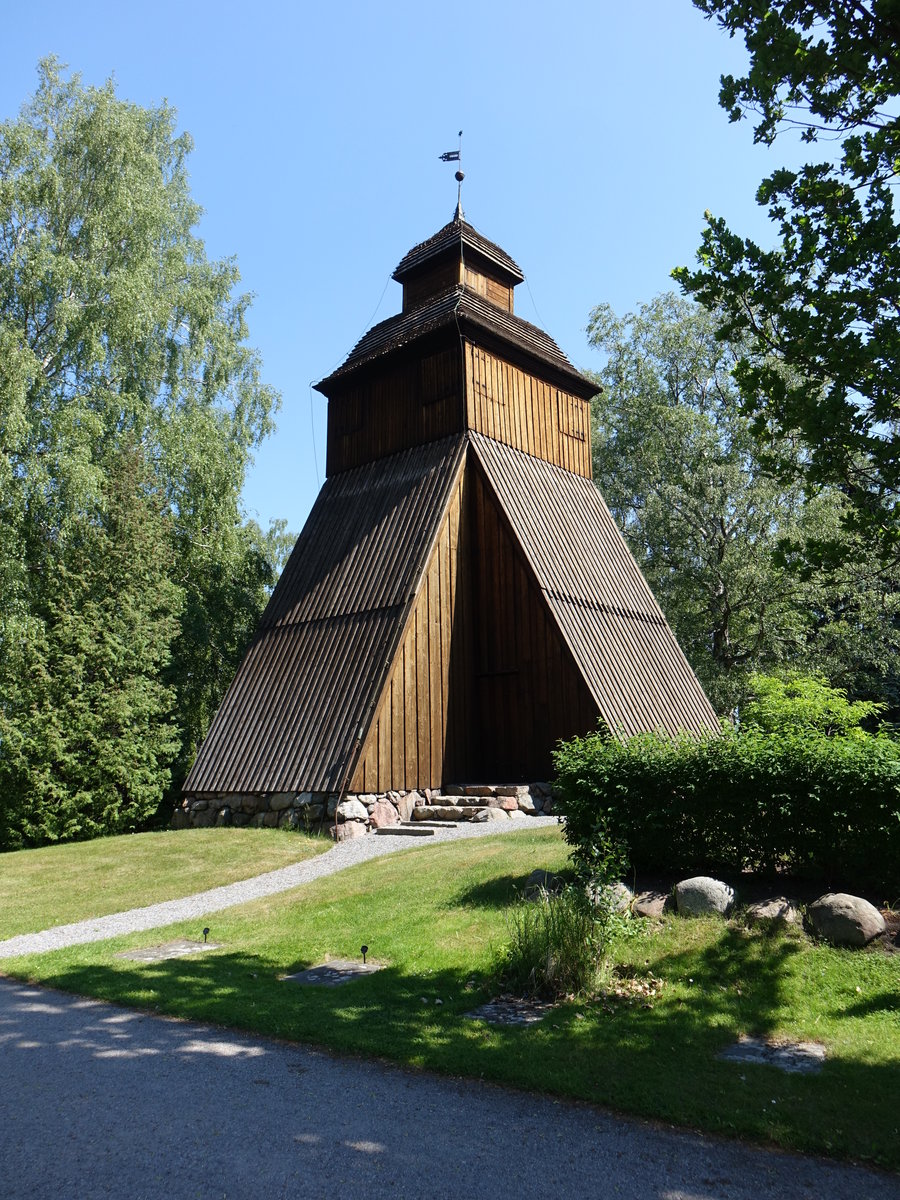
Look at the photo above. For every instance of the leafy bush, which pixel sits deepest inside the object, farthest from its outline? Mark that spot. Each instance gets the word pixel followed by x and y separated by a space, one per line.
pixel 799 801
pixel 798 701
pixel 556 944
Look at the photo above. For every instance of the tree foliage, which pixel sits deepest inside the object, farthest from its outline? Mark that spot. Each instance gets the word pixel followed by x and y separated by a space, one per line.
pixel 825 301
pixel 723 543
pixel 129 406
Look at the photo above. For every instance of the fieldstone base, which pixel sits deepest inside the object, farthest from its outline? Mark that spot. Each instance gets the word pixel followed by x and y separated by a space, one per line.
pixel 365 812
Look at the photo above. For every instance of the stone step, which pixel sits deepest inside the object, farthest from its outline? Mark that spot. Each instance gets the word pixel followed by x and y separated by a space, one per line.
pixel 429 824
pixel 453 812
pixel 404 831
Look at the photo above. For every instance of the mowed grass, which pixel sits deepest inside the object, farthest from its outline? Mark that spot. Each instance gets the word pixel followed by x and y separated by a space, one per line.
pixel 437 917
pixel 59 884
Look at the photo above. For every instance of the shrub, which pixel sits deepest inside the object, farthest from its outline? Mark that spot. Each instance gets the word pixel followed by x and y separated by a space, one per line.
pixel 796 701
pixel 799 801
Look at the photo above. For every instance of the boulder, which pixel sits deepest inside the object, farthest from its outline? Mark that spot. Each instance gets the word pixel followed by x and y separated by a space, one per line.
pixel 542 881
pixel 492 814
pixel 617 895
pixel 845 920
pixel 383 814
pixel 406 805
pixel 777 910
pixel 350 829
pixel 651 904
pixel 224 815
pixel 703 896
pixel 526 804
pixel 352 810
pixel 281 800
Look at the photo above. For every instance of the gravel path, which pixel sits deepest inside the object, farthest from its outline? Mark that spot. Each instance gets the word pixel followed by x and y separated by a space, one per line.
pixel 345 854
pixel 102 1102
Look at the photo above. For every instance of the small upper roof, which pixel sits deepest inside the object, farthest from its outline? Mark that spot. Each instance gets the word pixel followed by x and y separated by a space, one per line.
pixel 459 306
pixel 458 234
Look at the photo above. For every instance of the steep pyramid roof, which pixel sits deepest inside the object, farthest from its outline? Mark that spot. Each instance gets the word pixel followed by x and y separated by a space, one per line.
pixel 456 237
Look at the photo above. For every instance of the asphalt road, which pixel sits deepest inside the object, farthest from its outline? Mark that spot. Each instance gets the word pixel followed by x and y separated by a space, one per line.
pixel 98 1101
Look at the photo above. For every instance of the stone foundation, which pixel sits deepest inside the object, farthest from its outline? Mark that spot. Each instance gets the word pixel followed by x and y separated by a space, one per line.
pixel 360 813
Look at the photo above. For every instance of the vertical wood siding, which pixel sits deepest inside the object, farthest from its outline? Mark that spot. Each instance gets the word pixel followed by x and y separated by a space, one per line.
pixel 483 685
pixel 406 742
pixel 511 406
pixel 413 402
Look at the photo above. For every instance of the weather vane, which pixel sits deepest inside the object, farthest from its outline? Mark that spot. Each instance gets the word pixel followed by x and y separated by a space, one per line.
pixel 456 156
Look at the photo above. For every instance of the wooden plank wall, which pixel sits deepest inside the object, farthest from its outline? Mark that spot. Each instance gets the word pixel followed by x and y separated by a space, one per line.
pixel 406 743
pixel 498 293
pixel 483 685
pixel 415 401
pixel 529 691
pixel 508 404
pixel 430 284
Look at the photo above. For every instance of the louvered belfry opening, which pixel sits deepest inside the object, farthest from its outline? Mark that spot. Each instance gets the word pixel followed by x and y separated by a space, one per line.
pixel 460 597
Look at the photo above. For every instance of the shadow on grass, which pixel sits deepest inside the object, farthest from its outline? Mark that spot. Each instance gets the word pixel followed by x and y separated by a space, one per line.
pixel 502 890
pixel 659 1060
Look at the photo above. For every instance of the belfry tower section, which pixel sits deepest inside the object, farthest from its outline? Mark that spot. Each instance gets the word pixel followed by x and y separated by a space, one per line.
pixel 460 597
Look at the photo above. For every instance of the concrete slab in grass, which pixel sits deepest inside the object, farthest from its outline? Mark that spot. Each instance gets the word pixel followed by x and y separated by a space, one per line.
pixel 334 973
pixel 180 948
pixel 797 1058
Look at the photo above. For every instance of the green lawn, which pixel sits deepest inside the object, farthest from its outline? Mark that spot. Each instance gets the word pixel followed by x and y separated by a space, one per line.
pixel 59 884
pixel 436 918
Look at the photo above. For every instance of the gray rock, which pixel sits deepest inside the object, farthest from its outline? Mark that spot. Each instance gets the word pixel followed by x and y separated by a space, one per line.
pixel 434 812
pixel 223 819
pixel 526 804
pixel 383 815
pixel 703 896
pixel 405 806
pixel 845 920
pixel 281 800
pixel 349 830
pixel 779 909
pixel 651 904
pixel 542 881
pixel 352 810
pixel 492 814
pixel 618 895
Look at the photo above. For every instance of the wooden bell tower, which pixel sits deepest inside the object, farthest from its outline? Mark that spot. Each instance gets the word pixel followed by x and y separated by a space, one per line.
pixel 460 597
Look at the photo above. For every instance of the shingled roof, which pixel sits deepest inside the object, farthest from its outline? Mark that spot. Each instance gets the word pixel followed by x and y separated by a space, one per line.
pixel 293 714
pixel 457 234
pixel 460 305
pixel 618 635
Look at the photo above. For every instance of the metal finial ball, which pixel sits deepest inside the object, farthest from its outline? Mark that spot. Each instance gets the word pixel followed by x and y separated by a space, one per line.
pixel 459 176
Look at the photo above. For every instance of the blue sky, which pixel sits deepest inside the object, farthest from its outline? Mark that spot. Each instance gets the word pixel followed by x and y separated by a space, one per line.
pixel 593 143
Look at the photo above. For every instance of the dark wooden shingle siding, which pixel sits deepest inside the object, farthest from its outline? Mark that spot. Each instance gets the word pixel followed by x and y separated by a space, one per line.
pixel 308 684
pixel 603 606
